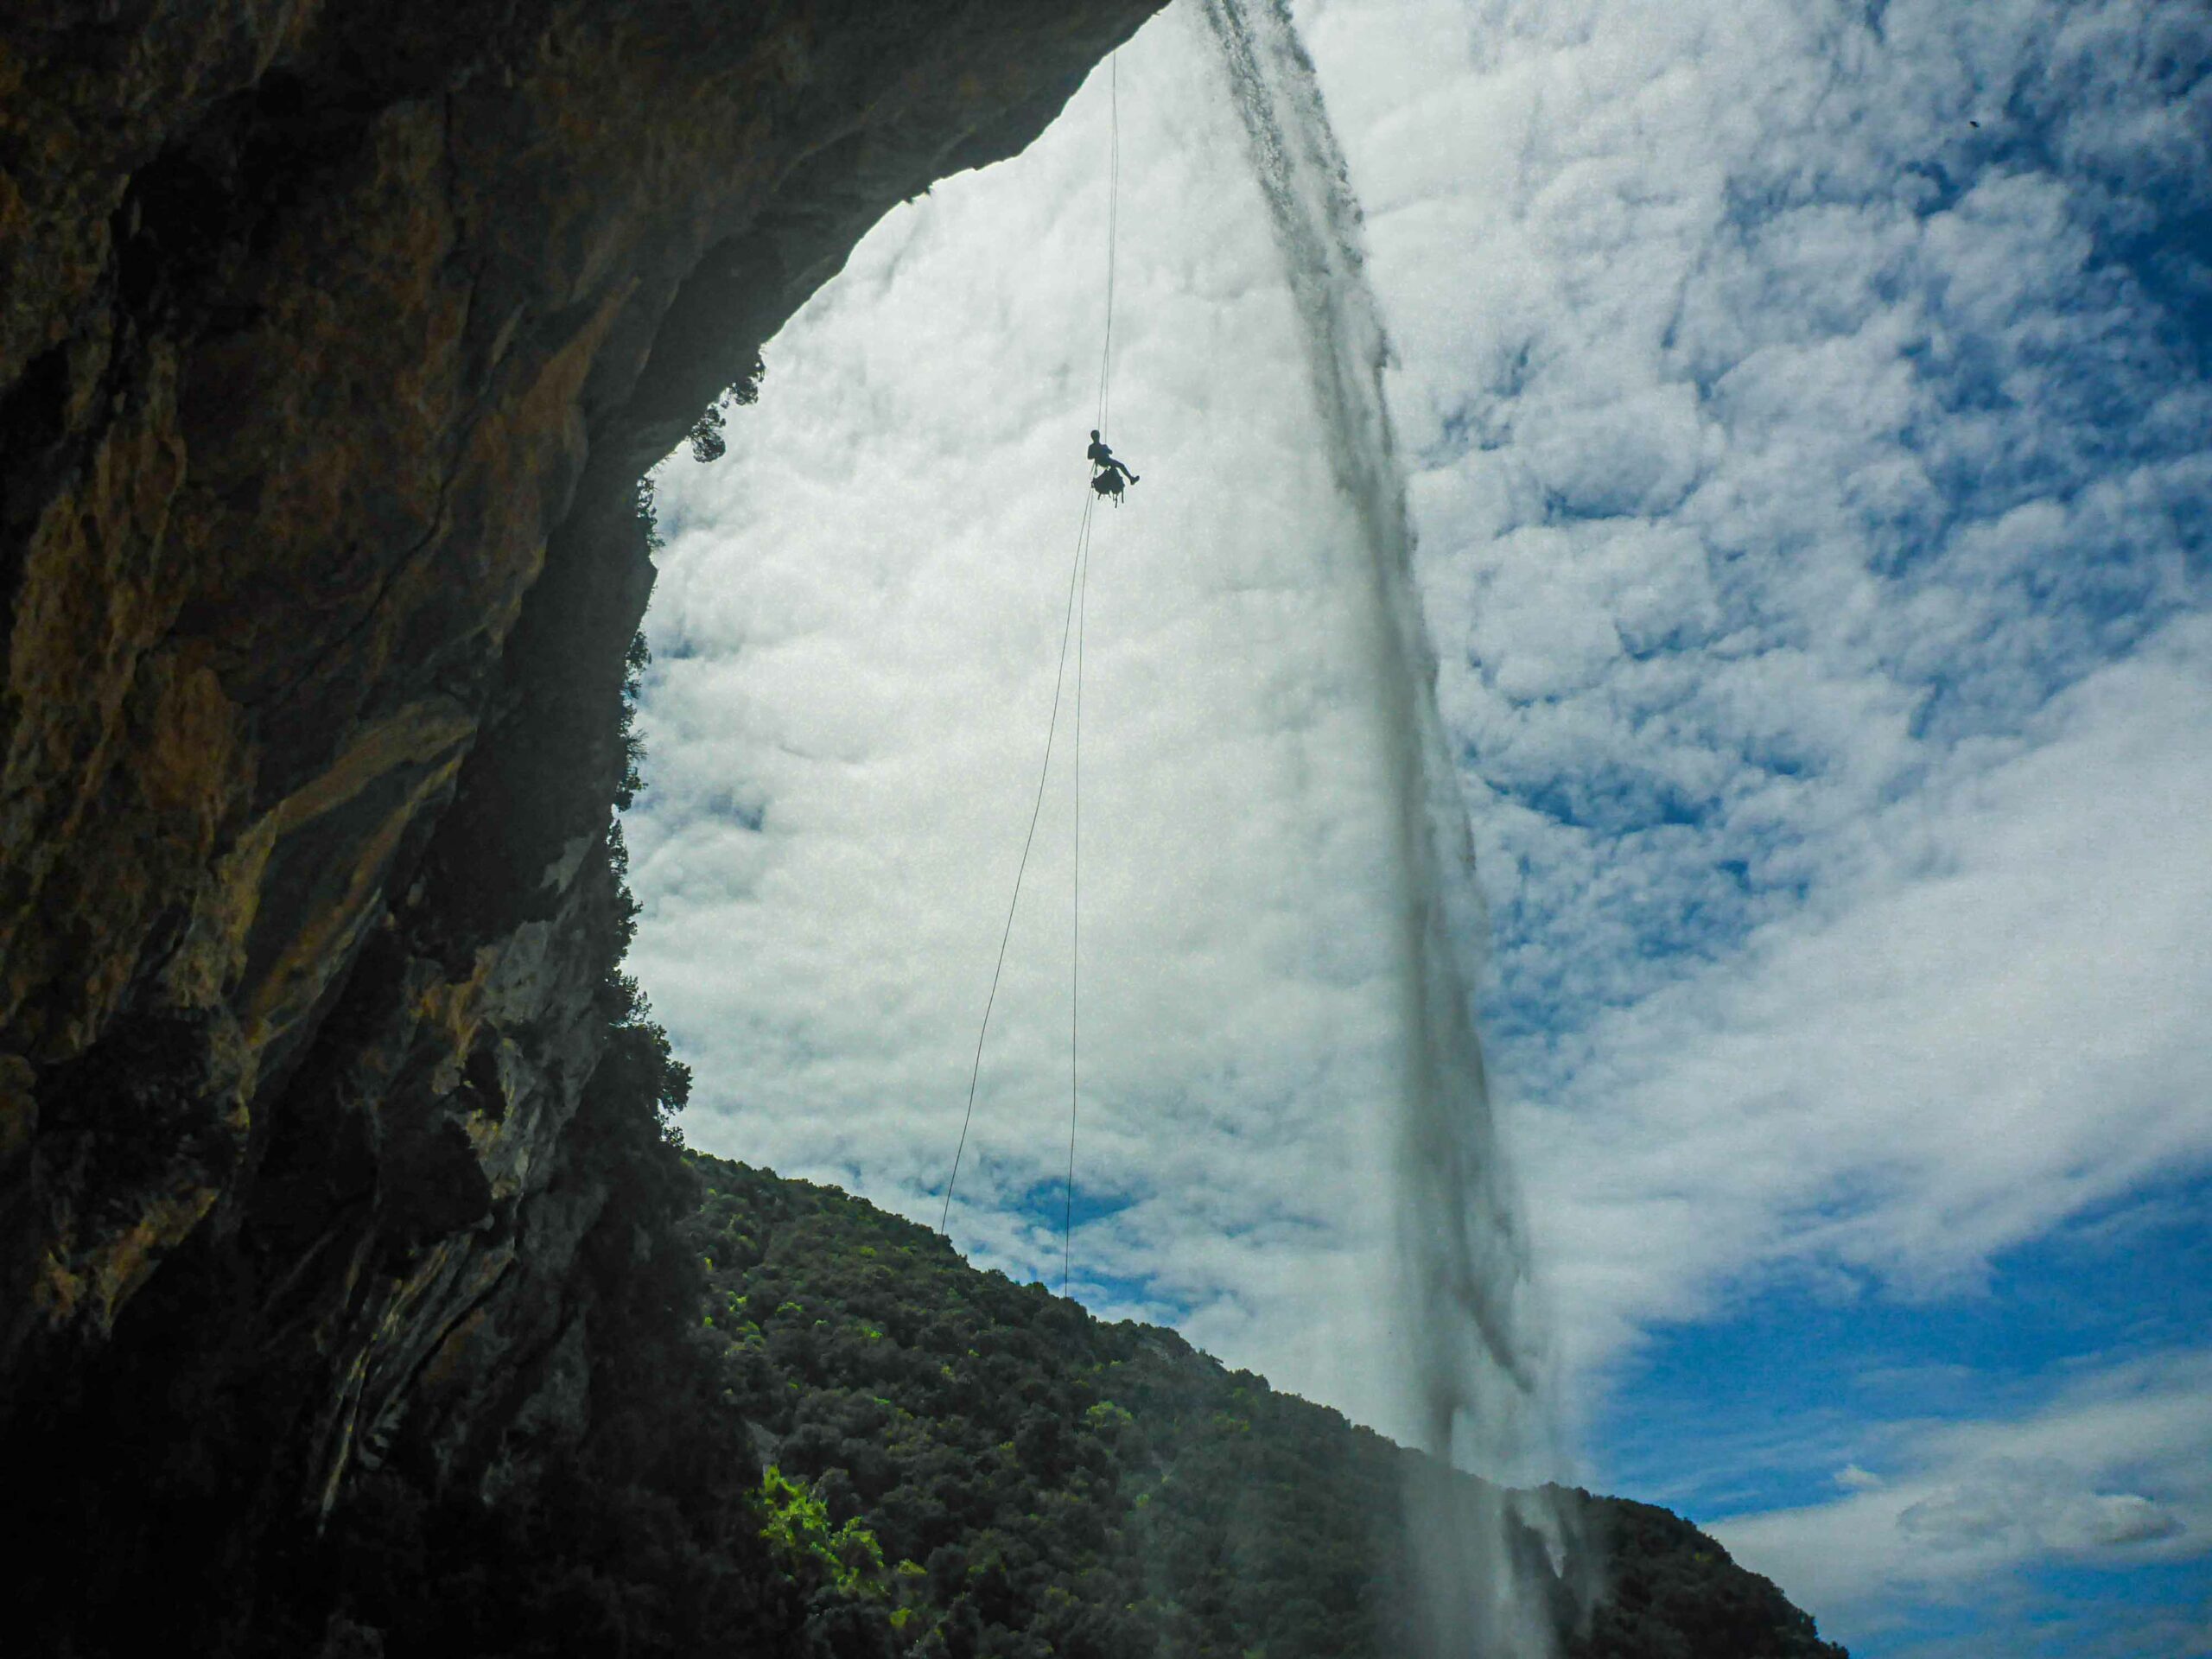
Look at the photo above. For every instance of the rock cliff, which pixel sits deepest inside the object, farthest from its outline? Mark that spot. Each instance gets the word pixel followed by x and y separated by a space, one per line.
pixel 334 337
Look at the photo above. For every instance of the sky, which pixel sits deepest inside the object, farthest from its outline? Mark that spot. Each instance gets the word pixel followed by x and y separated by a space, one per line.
pixel 1806 410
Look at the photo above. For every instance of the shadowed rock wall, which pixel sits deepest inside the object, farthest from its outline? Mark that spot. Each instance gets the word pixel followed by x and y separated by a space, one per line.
pixel 334 338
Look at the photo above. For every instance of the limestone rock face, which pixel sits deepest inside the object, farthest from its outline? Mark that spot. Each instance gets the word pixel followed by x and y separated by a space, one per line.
pixel 334 336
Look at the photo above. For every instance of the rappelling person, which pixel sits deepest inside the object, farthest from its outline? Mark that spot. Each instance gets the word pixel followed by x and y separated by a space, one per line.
pixel 1107 472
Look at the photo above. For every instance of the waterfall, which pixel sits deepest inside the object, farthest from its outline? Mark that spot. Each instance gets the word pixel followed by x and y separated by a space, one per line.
pixel 1469 1337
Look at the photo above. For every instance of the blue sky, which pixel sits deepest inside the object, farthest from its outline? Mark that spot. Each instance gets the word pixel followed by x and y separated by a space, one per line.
pixel 1811 490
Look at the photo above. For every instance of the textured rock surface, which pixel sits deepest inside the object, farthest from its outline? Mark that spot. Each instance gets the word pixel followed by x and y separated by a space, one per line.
pixel 334 338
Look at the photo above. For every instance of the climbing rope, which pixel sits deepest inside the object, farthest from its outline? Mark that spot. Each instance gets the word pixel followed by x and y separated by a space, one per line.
pixel 1044 772
pixel 1083 597
pixel 1071 625
pixel 1113 226
pixel 1075 918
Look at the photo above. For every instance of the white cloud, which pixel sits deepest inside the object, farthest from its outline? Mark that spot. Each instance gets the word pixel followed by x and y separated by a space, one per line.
pixel 1999 1020
pixel 1806 488
pixel 1790 449
pixel 2117 1471
pixel 862 670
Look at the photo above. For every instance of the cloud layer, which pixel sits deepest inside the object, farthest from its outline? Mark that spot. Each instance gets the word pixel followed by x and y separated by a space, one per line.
pixel 858 632
pixel 1808 409
pixel 1812 407
pixel 2116 1471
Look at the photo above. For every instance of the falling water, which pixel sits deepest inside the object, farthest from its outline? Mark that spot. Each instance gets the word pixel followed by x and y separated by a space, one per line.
pixel 1470 1336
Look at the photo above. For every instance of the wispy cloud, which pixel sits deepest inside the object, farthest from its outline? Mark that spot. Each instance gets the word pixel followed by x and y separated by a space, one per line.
pixel 2114 1473
pixel 1991 1019
pixel 1812 508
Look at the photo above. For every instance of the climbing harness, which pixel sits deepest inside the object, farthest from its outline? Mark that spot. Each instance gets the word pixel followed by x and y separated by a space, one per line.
pixel 1103 484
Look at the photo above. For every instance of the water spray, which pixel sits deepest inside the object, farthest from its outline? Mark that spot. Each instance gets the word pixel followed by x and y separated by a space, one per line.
pixel 1470 1336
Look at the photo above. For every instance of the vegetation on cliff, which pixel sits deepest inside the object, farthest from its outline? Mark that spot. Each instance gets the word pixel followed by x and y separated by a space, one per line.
pixel 821 1433
pixel 998 1472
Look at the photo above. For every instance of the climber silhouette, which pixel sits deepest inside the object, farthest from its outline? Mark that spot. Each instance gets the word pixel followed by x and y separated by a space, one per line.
pixel 1109 471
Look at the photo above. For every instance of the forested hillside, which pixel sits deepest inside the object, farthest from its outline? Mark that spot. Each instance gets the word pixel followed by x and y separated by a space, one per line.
pixel 975 1466
pixel 818 1433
